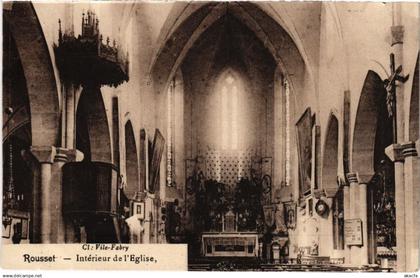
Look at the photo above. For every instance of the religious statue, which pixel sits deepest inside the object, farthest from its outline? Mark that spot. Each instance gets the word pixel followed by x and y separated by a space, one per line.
pixel 17 233
pixel 291 217
pixel 314 249
pixel 389 85
pixel 279 216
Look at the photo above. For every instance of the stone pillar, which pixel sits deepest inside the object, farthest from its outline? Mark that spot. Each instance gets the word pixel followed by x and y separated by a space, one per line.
pixel 352 178
pixel 51 160
pixel 364 256
pixel 346 206
pixel 371 240
pixel 45 156
pixel 62 156
pixel 70 111
pixel 57 191
pixel 400 211
pixel 397 47
pixel 148 207
pixel 394 152
pixel 326 228
pixel 412 215
pixel 35 236
pixel 358 209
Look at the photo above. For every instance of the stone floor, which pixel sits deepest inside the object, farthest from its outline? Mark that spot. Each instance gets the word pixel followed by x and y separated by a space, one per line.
pixel 253 264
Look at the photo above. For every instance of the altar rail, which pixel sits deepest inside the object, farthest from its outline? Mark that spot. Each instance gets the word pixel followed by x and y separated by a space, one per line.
pixel 230 244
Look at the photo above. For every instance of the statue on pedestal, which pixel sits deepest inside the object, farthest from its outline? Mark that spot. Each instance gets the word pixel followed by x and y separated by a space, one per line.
pixel 281 227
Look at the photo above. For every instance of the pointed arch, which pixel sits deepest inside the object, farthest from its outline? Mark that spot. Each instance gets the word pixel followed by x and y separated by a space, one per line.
pixel 414 106
pixel 38 70
pixel 175 45
pixel 116 132
pixel 93 137
pixel 131 161
pixel 16 113
pixel 330 159
pixel 364 134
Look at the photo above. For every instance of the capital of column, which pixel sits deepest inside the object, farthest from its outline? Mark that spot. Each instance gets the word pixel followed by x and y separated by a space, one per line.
pixel 140 196
pixel 68 155
pixel 418 146
pixel 61 155
pixel 409 149
pixel 395 152
pixel 318 193
pixel 397 33
pixel 44 154
pixel 330 192
pixel 352 178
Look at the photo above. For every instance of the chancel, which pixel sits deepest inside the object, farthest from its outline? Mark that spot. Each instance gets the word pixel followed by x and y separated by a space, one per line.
pixel 265 135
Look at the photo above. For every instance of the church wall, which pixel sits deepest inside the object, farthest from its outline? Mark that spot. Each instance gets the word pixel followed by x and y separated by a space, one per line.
pixel 345 58
pixel 346 55
pixel 135 36
pixel 340 43
pixel 411 50
pixel 200 90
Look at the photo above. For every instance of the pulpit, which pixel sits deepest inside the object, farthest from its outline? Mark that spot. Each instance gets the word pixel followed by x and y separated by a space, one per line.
pixel 90 191
pixel 90 188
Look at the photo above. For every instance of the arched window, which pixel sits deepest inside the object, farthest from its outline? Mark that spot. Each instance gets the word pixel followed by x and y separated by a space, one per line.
pixel 283 131
pixel 229 116
pixel 170 163
pixel 287 131
pixel 175 131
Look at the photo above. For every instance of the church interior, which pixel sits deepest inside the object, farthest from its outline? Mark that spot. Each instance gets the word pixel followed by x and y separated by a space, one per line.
pixel 265 135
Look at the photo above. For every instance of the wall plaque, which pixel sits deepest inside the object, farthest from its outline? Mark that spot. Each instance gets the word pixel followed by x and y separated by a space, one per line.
pixel 353 232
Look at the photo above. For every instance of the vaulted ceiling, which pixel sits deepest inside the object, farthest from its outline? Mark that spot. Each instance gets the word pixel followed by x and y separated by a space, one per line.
pixel 187 29
pixel 228 43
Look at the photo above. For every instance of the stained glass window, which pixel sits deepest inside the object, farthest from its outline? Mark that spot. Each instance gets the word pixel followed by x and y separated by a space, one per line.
pixel 229 117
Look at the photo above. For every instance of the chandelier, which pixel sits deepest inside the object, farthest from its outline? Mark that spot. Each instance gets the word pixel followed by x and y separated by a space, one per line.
pixel 11 200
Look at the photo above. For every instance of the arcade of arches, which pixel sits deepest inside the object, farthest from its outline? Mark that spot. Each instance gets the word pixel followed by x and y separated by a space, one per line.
pixel 254 132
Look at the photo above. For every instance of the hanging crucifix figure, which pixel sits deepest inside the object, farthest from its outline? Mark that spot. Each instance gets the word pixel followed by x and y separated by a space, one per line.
pixel 391 101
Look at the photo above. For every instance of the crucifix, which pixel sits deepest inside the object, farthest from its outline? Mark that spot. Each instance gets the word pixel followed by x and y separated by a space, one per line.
pixel 391 100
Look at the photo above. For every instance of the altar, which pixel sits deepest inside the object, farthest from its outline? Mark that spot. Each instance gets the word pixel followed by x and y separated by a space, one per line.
pixel 230 244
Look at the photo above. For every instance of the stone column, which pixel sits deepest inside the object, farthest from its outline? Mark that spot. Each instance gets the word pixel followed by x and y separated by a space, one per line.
pixel 364 256
pixel 358 209
pixel 45 156
pixel 352 178
pixel 35 222
pixel 326 228
pixel 346 206
pixel 62 156
pixel 57 191
pixel 148 207
pixel 394 152
pixel 397 47
pixel 400 209
pixel 70 112
pixel 412 199
pixel 49 224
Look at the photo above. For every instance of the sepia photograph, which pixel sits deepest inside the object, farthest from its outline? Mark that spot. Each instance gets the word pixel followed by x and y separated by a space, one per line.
pixel 211 136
